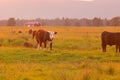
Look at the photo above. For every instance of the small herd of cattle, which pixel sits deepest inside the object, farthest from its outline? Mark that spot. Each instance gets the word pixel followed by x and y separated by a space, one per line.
pixel 43 36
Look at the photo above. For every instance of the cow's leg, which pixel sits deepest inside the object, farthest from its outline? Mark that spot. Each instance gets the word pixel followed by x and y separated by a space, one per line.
pixel 40 45
pixel 117 47
pixel 50 43
pixel 51 46
pixel 45 45
pixel 104 47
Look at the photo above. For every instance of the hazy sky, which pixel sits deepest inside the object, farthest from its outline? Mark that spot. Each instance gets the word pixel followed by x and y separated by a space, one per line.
pixel 31 9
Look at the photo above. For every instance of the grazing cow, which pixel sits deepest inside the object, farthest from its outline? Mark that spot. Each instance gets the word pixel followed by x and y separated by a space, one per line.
pixel 43 36
pixel 30 31
pixel 19 31
pixel 109 38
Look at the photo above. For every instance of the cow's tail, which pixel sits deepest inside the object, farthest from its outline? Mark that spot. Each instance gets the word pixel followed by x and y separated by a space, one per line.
pixel 34 33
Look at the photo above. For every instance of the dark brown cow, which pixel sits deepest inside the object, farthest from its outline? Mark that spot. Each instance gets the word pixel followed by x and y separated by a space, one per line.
pixel 19 31
pixel 109 38
pixel 43 36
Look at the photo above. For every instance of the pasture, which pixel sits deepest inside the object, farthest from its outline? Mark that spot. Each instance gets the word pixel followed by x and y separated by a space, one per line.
pixel 76 55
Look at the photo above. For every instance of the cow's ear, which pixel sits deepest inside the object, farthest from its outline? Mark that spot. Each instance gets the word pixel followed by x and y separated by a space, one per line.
pixel 55 32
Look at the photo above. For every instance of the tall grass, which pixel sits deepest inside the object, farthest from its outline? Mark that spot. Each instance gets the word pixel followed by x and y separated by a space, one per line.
pixel 76 55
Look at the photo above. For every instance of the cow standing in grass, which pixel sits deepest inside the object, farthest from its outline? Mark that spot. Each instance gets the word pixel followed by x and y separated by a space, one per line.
pixel 43 36
pixel 109 38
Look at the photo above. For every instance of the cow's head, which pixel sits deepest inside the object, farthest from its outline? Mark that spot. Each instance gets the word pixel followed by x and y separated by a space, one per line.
pixel 51 34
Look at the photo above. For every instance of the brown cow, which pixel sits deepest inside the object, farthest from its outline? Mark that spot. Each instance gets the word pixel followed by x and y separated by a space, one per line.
pixel 109 38
pixel 19 31
pixel 30 31
pixel 43 36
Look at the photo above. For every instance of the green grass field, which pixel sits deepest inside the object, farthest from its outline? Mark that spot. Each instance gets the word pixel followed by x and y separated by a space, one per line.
pixel 76 55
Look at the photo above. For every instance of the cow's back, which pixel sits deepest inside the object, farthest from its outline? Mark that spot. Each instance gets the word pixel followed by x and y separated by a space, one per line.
pixel 110 38
pixel 42 35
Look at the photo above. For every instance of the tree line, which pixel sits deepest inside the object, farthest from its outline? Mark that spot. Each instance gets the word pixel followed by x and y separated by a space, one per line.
pixel 115 21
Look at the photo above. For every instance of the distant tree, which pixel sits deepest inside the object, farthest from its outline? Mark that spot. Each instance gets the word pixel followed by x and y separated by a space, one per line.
pixel 44 22
pixel 85 22
pixel 67 22
pixel 11 22
pixel 97 22
pixel 115 21
pixel 105 22
pixel 77 23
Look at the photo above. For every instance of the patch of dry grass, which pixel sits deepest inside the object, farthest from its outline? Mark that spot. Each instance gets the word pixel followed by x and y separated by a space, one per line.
pixel 76 55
